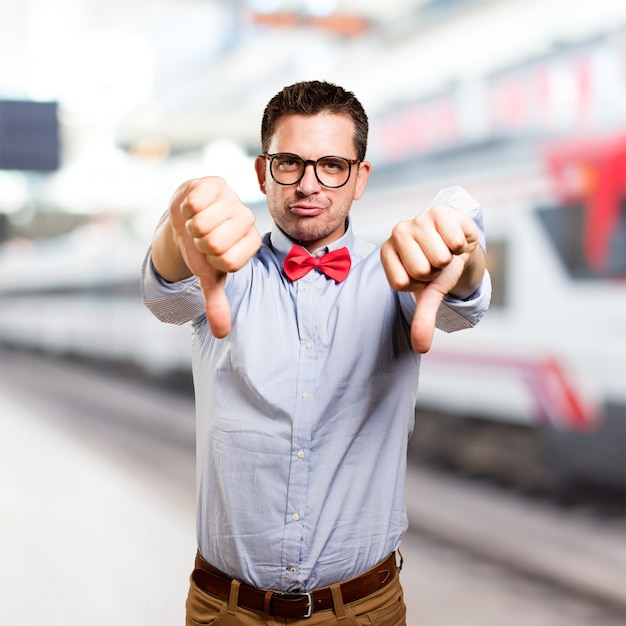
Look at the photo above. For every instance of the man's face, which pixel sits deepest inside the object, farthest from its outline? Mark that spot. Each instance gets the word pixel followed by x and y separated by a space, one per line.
pixel 308 212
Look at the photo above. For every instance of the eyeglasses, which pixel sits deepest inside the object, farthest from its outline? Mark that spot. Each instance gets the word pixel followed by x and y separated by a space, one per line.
pixel 331 171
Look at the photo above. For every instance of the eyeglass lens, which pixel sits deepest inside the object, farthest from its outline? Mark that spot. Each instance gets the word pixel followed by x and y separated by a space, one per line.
pixel 331 171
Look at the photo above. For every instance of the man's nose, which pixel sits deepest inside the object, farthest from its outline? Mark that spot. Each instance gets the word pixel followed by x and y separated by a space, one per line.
pixel 308 183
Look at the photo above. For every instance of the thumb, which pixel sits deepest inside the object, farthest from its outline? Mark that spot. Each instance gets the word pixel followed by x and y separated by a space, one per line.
pixel 428 299
pixel 217 306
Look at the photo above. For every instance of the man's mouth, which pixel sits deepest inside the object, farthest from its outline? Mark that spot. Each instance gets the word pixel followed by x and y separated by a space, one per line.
pixel 306 210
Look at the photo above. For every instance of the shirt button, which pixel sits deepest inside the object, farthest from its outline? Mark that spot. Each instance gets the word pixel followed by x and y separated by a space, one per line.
pixel 293 570
pixel 309 345
pixel 307 287
pixel 300 454
pixel 305 395
pixel 295 517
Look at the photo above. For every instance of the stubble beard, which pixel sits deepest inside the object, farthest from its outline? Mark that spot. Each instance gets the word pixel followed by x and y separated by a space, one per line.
pixel 307 229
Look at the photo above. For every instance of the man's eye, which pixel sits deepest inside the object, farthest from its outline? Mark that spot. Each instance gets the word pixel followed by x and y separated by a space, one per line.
pixel 334 165
pixel 287 163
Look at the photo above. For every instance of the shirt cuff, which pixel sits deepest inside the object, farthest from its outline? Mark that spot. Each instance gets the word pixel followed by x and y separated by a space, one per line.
pixel 175 303
pixel 455 314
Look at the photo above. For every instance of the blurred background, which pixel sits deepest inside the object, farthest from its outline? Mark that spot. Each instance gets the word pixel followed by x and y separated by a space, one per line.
pixel 106 107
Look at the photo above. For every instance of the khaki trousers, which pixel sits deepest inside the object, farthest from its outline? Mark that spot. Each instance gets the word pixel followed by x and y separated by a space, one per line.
pixel 384 608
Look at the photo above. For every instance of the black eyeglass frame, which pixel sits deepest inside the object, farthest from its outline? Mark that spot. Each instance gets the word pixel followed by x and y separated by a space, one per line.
pixel 314 163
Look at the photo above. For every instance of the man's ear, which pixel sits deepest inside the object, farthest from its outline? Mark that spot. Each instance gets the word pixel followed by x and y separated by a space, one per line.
pixel 363 173
pixel 259 168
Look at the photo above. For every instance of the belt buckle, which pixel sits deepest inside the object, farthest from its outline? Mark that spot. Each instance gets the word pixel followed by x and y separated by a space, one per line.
pixel 309 606
pixel 298 596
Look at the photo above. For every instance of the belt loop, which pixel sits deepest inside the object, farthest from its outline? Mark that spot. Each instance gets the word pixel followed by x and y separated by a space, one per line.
pixel 340 609
pixel 401 560
pixel 267 602
pixel 233 598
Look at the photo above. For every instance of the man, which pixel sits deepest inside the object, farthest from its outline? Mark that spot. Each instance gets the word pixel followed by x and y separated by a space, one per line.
pixel 305 361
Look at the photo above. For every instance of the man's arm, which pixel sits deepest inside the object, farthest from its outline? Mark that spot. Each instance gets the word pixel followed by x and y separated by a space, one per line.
pixel 435 254
pixel 208 232
pixel 166 256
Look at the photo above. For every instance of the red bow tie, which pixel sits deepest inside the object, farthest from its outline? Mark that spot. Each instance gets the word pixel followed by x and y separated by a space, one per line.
pixel 335 264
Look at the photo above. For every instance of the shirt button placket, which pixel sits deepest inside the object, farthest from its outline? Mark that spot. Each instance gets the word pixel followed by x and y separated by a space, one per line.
pixel 301 433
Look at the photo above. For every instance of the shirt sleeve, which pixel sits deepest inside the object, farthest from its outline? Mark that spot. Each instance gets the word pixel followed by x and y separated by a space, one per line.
pixel 175 303
pixel 455 314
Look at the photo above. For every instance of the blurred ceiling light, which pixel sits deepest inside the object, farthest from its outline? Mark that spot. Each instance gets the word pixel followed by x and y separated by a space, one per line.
pixel 336 23
pixel 151 149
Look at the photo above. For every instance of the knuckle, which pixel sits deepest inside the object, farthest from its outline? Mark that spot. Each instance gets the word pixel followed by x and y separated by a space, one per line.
pixel 194 227
pixel 230 261
pixel 399 280
pixel 396 283
pixel 202 192
pixel 439 259
pixel 191 205
pixel 212 246
pixel 440 209
pixel 401 229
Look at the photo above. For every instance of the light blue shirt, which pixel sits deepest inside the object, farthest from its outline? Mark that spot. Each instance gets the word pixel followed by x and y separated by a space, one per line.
pixel 304 412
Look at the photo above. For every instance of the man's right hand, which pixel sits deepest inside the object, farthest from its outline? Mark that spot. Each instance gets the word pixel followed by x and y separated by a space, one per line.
pixel 209 232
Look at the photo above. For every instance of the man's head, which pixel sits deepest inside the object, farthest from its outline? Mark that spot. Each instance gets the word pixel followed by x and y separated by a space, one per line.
pixel 309 194
pixel 311 98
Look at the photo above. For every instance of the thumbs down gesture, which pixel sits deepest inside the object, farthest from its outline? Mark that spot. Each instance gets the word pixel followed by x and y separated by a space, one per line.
pixel 435 254
pixel 209 232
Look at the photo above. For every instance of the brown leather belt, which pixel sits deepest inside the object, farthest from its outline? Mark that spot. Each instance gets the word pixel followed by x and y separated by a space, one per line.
pixel 293 605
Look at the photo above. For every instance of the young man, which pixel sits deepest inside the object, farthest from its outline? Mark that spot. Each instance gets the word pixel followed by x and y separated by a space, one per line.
pixel 305 361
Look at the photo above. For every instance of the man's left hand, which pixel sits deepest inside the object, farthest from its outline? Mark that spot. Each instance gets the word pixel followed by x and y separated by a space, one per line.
pixel 434 254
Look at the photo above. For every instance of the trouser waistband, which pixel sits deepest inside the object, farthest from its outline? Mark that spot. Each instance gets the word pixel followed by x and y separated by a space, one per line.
pixel 293 605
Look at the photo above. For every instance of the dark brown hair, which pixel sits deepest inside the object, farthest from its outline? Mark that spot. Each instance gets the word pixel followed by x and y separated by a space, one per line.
pixel 311 98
